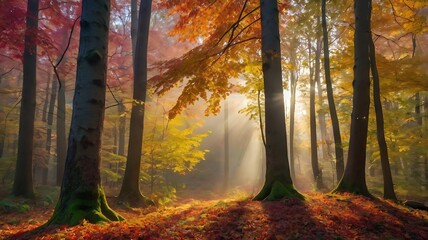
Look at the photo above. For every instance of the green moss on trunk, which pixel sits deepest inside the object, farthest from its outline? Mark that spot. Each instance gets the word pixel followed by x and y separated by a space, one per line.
pixel 276 191
pixel 135 199
pixel 72 209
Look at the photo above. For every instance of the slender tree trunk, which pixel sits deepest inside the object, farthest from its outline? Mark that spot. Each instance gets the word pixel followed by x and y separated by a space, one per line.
pixel 278 183
pixel 321 114
pixel 49 131
pixel 293 86
pixel 23 183
pixel 130 191
pixel 46 102
pixel 226 147
pixel 312 119
pixel 134 24
pixel 82 197
pixel 121 131
pixel 330 97
pixel 354 180
pixel 386 170
pixel 61 140
pixel 388 185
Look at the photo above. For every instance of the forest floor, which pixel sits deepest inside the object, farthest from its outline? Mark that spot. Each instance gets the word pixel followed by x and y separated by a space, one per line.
pixel 320 216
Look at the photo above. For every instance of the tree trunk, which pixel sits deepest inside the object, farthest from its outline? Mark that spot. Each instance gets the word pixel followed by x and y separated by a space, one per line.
pixel 49 131
pixel 23 183
pixel 354 180
pixel 46 103
pixel 130 191
pixel 312 119
pixel 278 183
pixel 388 185
pixel 121 131
pixel 134 24
pixel 293 85
pixel 82 197
pixel 330 97
pixel 226 147
pixel 61 140
pixel 321 114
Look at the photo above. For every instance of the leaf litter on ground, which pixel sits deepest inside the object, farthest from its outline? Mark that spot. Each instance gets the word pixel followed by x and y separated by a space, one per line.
pixel 320 216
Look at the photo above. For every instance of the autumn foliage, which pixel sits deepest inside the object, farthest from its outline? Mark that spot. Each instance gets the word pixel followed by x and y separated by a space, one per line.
pixel 319 217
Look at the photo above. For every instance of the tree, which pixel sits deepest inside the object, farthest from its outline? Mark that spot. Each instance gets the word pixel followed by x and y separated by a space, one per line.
pixel 312 119
pixel 82 197
pixel 353 179
pixel 226 147
pixel 332 107
pixel 278 183
pixel 61 141
pixel 23 183
pixel 130 191
pixel 388 186
pixel 293 85
pixel 49 130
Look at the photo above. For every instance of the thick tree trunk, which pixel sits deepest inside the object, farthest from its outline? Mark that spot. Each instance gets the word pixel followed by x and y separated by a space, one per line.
pixel 354 180
pixel 23 183
pixel 130 191
pixel 82 197
pixel 61 139
pixel 388 185
pixel 330 97
pixel 278 183
pixel 49 131
pixel 312 119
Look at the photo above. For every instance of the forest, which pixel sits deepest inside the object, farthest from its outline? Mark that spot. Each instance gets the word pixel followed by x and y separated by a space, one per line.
pixel 214 119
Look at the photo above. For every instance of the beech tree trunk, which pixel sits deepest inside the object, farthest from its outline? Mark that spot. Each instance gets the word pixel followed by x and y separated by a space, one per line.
pixel 226 147
pixel 50 117
pixel 332 107
pixel 313 126
pixel 121 130
pixel 46 102
pixel 23 182
pixel 82 197
pixel 388 185
pixel 354 180
pixel 278 183
pixel 293 85
pixel 61 140
pixel 130 190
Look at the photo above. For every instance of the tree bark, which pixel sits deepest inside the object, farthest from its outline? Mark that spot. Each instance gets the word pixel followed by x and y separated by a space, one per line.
pixel 354 180
pixel 46 102
pixel 50 117
pixel 226 147
pixel 332 107
pixel 121 130
pixel 313 128
pixel 82 197
pixel 134 24
pixel 293 86
pixel 23 183
pixel 388 185
pixel 61 139
pixel 130 190
pixel 278 183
